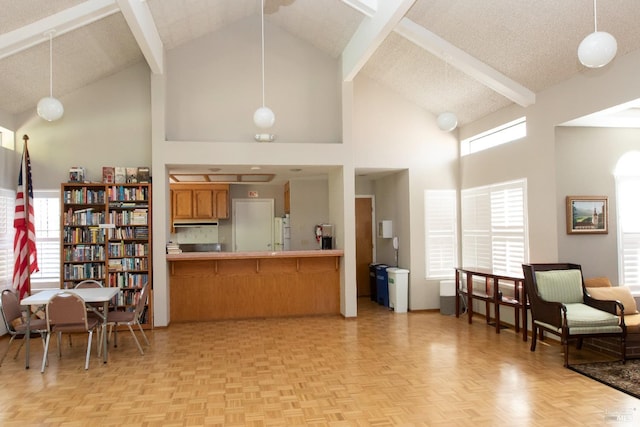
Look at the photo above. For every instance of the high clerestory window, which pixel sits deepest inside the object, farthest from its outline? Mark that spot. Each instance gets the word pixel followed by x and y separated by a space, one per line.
pixel 508 132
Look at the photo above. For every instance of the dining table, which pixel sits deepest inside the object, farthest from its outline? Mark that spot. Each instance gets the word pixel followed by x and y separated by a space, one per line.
pixel 89 295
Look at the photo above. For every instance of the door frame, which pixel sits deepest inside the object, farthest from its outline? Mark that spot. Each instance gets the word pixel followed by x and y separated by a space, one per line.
pixel 373 223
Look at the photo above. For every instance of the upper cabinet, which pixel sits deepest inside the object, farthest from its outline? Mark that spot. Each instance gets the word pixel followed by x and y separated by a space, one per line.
pixel 181 203
pixel 199 201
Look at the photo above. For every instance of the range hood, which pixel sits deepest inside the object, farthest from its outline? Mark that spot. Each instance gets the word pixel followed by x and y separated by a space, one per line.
pixel 195 223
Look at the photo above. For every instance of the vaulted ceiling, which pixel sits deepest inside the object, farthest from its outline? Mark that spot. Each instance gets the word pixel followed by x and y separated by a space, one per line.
pixel 466 56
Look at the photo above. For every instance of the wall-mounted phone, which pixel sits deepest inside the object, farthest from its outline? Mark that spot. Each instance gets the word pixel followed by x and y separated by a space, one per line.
pixel 395 243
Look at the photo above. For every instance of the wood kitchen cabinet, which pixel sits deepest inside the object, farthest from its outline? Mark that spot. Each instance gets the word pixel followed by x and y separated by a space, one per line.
pixel 200 201
pixel 181 203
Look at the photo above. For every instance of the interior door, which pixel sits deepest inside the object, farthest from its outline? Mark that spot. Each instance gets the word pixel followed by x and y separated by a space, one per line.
pixel 364 244
pixel 252 225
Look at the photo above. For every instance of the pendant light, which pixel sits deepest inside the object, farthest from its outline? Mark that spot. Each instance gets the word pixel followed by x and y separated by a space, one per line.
pixel 447 121
pixel 598 48
pixel 263 117
pixel 49 108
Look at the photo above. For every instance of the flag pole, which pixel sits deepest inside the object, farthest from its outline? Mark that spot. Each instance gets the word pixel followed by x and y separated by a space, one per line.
pixel 25 138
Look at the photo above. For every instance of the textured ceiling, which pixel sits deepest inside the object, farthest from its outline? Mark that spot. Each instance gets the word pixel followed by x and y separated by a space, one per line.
pixel 532 43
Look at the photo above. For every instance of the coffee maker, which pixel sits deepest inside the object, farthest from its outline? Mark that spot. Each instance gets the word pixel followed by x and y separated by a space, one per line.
pixel 327 236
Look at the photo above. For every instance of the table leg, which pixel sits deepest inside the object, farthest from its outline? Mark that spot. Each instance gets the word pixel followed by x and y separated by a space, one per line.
pixel 27 338
pixel 457 293
pixel 496 303
pixel 525 319
pixel 470 296
pixel 104 331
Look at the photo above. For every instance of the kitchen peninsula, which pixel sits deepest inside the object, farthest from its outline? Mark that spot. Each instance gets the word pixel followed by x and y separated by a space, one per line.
pixel 233 285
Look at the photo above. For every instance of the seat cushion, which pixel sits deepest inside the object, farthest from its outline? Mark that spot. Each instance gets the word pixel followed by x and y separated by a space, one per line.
pixel 616 293
pixel 584 319
pixel 560 285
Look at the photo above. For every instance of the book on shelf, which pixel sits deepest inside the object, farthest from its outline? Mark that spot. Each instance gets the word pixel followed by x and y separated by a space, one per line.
pixel 76 174
pixel 173 248
pixel 132 175
pixel 144 174
pixel 108 174
pixel 121 175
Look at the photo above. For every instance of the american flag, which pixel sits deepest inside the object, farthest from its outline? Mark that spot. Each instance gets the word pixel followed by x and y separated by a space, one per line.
pixel 24 243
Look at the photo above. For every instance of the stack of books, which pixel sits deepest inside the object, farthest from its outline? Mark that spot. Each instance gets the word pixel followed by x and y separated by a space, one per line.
pixel 173 248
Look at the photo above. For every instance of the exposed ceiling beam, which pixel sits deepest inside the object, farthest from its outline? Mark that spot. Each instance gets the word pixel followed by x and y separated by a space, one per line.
pixel 454 56
pixel 466 63
pixel 370 34
pixel 366 7
pixel 143 27
pixel 62 22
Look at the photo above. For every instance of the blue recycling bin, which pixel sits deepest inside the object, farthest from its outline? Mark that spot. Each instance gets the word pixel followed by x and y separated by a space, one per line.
pixel 382 284
pixel 373 285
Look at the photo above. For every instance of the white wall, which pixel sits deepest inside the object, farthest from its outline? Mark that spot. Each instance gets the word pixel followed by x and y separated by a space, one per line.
pixel 214 87
pixel 390 132
pixel 107 123
pixel 585 160
pixel 534 157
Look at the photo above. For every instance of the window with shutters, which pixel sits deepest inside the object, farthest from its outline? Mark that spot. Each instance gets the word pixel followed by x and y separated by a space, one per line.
pixel 628 205
pixel 7 203
pixel 46 205
pixel 494 227
pixel 440 233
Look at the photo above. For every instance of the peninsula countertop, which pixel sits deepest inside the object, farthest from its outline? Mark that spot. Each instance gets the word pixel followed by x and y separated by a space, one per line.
pixel 201 256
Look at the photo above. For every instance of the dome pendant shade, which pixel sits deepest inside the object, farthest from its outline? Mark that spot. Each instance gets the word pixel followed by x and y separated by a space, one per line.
pixel 50 109
pixel 264 117
pixel 447 121
pixel 597 49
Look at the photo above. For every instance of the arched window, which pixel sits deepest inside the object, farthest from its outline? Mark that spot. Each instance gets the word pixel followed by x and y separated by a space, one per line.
pixel 627 175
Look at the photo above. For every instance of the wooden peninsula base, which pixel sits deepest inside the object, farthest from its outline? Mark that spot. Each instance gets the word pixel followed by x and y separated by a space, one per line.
pixel 234 285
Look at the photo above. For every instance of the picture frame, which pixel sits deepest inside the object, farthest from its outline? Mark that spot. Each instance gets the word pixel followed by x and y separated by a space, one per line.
pixel 587 215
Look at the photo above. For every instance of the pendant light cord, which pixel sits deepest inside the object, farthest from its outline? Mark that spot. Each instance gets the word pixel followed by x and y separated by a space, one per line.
pixel 262 19
pixel 51 64
pixel 595 16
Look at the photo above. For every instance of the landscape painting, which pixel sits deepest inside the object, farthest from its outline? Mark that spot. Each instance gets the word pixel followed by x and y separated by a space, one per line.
pixel 587 215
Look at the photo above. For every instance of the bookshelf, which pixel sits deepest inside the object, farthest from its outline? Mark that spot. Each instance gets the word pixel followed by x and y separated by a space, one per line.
pixel 106 236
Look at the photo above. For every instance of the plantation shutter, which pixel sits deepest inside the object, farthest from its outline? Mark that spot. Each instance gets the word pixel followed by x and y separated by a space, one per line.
pixel 441 233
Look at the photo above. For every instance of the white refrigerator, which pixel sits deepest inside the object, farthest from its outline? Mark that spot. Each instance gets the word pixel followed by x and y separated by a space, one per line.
pixel 282 233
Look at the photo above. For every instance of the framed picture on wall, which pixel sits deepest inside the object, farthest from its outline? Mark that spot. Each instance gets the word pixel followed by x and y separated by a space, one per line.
pixel 587 215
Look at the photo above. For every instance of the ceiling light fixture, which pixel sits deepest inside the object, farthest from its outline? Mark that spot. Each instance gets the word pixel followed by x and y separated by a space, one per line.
pixel 49 108
pixel 599 47
pixel 447 121
pixel 263 117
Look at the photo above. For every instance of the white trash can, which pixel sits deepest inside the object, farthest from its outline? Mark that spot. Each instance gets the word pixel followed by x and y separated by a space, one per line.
pixel 398 289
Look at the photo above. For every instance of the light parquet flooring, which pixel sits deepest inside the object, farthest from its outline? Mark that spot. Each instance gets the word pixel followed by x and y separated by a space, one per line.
pixel 381 369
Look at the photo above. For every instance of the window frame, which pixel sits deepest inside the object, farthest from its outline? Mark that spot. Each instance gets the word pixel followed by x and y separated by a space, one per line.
pixel 628 231
pixel 490 239
pixel 441 233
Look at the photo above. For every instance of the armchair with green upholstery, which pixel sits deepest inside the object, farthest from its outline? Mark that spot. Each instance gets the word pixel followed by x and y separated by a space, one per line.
pixel 560 305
